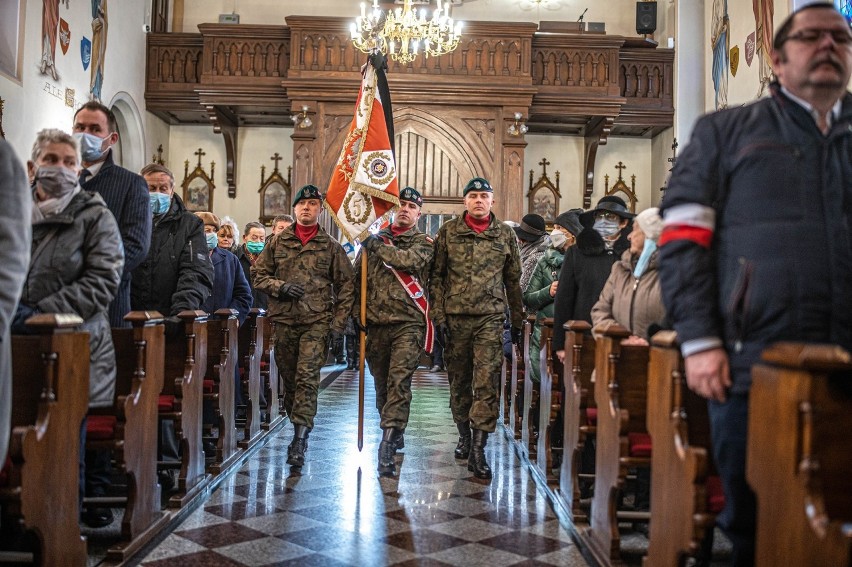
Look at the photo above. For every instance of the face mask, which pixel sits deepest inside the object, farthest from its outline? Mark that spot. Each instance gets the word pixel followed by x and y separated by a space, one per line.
pixel 212 240
pixel 558 238
pixel 254 247
pixel 55 181
pixel 160 202
pixel 90 146
pixel 606 228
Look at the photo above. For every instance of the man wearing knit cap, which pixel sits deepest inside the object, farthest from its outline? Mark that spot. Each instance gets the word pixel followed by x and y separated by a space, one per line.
pixel 532 233
pixel 398 261
pixel 476 272
pixel 309 281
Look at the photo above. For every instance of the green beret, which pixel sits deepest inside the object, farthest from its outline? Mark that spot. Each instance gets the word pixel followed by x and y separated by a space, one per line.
pixel 307 192
pixel 477 184
pixel 411 194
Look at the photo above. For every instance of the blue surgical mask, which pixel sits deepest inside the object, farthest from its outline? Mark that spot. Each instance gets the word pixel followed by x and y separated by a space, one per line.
pixel 606 228
pixel 160 202
pixel 254 247
pixel 644 258
pixel 90 146
pixel 212 240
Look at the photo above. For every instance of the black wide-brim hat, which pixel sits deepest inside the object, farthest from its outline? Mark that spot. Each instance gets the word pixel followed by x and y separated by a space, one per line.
pixel 532 228
pixel 610 204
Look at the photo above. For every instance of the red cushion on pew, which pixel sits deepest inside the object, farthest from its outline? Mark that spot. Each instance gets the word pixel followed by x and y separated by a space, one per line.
pixel 4 472
pixel 715 494
pixel 166 403
pixel 264 365
pixel 592 416
pixel 100 427
pixel 639 444
pixel 208 386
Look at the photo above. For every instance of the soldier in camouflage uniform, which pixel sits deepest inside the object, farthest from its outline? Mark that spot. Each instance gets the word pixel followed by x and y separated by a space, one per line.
pixel 476 271
pixel 309 281
pixel 397 326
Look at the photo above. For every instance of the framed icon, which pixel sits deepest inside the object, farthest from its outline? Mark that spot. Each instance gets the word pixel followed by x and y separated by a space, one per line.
pixel 198 186
pixel 275 192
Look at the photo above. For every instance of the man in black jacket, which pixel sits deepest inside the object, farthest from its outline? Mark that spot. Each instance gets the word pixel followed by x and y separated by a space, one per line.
pixel 587 265
pixel 756 245
pixel 125 194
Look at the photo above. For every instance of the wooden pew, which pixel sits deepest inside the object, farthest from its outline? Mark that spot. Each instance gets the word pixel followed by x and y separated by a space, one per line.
pixel 268 366
pixel 799 462
pixel 529 420
pixel 50 396
pixel 505 385
pixel 219 385
pixel 576 422
pixel 180 400
pixel 129 429
pixel 621 384
pixel 270 384
pixel 251 384
pixel 516 387
pixel 550 402
pixel 686 494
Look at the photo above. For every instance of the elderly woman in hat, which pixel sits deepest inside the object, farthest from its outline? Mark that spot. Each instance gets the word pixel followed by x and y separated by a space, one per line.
pixel 541 291
pixel 534 242
pixel 587 265
pixel 631 296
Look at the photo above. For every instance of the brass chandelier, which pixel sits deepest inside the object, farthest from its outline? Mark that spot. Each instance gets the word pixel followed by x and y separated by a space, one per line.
pixel 402 33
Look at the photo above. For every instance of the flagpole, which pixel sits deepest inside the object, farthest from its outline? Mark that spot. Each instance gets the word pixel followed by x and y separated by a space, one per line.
pixel 362 348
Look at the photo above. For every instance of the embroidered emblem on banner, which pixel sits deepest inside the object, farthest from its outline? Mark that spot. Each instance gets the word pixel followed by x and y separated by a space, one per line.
pixel 378 168
pixel 356 208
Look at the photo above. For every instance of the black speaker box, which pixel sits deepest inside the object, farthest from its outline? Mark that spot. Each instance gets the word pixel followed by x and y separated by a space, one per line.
pixel 646 17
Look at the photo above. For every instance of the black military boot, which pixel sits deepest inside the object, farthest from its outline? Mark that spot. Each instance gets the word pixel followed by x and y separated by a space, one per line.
pixel 298 446
pixel 386 450
pixel 476 460
pixel 463 448
pixel 399 440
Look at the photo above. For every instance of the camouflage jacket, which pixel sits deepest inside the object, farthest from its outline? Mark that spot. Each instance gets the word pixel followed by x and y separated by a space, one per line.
pixel 476 274
pixel 387 300
pixel 320 265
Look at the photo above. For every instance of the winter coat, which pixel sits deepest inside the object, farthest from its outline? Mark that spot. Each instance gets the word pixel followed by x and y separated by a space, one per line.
pixel 537 296
pixel 757 246
pixel 633 303
pixel 76 265
pixel 177 274
pixel 476 274
pixel 259 299
pixel 387 300
pixel 230 288
pixel 585 270
pixel 320 265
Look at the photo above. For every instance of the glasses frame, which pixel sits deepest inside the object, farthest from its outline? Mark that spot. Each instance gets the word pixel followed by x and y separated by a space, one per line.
pixel 814 36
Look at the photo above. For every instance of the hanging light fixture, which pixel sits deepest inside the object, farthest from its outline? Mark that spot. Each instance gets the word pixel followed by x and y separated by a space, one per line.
pixel 403 33
pixel 517 128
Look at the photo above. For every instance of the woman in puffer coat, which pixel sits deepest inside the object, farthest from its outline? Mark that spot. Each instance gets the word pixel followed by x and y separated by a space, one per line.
pixel 540 293
pixel 631 296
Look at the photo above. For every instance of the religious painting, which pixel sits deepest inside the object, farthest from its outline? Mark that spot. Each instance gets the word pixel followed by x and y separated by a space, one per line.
pixel 627 193
pixel 198 186
pixel 544 195
pixel 719 42
pixel 49 34
pixel 764 10
pixel 275 192
pixel 99 47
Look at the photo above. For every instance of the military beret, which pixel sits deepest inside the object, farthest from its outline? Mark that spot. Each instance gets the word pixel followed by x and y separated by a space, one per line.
pixel 477 184
pixel 411 194
pixel 209 219
pixel 307 192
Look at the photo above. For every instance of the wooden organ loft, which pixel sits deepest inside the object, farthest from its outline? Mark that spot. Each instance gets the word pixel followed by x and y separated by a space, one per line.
pixel 451 112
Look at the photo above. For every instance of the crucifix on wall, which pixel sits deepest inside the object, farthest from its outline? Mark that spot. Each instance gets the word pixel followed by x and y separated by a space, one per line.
pixel 621 187
pixel 544 195
pixel 198 186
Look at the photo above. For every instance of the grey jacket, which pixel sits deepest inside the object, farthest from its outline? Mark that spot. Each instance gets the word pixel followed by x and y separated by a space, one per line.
pixel 76 265
pixel 15 234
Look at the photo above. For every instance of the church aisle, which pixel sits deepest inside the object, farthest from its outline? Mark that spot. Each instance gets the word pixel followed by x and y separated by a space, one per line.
pixel 434 513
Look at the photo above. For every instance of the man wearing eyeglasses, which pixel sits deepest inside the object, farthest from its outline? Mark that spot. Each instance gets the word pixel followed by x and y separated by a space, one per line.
pixel 756 246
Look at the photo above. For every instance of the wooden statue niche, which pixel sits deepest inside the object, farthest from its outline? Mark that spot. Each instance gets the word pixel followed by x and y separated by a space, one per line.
pixel 621 187
pixel 198 186
pixel 544 195
pixel 275 192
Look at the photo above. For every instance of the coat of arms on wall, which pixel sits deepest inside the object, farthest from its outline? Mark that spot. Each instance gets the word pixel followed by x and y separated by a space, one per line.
pixel 275 192
pixel 621 187
pixel 544 195
pixel 198 186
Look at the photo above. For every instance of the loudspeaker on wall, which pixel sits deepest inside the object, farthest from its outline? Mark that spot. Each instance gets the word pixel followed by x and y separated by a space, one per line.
pixel 646 17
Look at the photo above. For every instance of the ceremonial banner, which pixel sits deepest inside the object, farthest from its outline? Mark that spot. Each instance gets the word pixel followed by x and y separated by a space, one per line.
pixel 364 186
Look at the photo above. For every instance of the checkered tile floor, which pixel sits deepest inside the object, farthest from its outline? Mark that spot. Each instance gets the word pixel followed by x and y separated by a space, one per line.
pixel 339 512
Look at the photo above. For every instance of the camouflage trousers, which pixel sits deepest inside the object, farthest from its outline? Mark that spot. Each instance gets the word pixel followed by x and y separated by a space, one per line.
pixel 393 353
pixel 474 359
pixel 300 352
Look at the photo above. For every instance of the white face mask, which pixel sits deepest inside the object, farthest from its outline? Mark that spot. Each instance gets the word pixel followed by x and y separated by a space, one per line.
pixel 558 238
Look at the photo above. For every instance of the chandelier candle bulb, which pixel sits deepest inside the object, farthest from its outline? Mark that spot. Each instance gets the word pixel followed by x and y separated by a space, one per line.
pixel 363 10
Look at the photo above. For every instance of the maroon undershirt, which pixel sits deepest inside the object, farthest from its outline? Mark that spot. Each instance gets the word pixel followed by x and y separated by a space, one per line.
pixel 477 225
pixel 397 230
pixel 305 233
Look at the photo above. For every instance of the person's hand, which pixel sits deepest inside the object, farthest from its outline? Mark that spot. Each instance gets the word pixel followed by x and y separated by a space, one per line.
pixel 560 354
pixel 708 373
pixel 173 326
pixel 369 242
pixel 291 291
pixel 358 326
pixel 634 340
pixel 443 332
pixel 517 336
pixel 22 313
pixel 553 287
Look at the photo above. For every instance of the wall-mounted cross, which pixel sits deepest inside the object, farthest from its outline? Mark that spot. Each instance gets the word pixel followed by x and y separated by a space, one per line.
pixel 276 158
pixel 159 157
pixel 544 163
pixel 620 167
pixel 200 153
pixel 672 159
